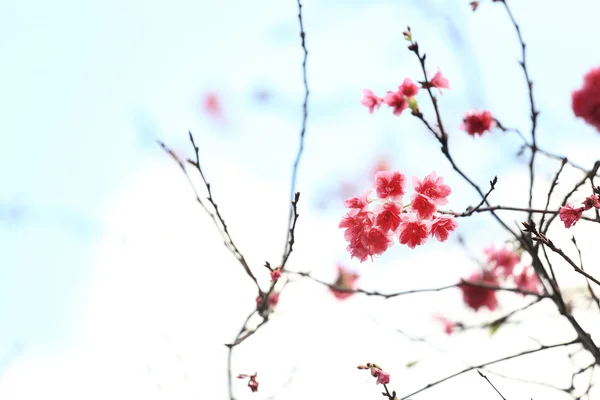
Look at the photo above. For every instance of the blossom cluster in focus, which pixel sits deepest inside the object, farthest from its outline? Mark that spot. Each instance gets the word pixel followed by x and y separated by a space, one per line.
pixel 373 222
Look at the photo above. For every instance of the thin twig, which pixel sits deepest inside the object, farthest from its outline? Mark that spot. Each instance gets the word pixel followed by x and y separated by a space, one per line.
pixel 513 356
pixel 216 216
pixel 542 238
pixel 546 153
pixel 508 208
pixel 587 281
pixel 491 384
pixel 416 291
pixel 291 220
pixel 534 112
pixel 552 186
pixel 579 184
pixel 471 210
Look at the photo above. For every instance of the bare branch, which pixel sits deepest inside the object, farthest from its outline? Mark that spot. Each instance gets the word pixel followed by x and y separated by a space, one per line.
pixel 491 384
pixel 513 356
pixel 416 291
pixel 291 219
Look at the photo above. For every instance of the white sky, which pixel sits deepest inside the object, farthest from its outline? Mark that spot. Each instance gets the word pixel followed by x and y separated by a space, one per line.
pixel 139 294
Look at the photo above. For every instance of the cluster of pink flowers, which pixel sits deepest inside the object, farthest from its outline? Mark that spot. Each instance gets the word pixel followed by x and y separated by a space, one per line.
pixel 586 100
pixel 252 382
pixel 370 232
pixel 383 378
pixel 569 215
pixel 346 280
pixel 404 97
pixel 499 269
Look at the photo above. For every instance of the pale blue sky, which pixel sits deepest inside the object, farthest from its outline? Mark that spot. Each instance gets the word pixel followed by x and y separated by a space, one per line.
pixel 86 87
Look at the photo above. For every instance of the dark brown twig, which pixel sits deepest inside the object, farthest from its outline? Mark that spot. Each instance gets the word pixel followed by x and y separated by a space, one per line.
pixel 587 281
pixel 590 173
pixel 542 238
pixel 470 210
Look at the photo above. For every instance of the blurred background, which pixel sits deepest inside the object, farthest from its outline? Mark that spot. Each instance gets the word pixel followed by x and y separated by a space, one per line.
pixel 115 284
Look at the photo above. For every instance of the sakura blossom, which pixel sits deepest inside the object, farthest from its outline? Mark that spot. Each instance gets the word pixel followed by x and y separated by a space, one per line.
pixel 372 222
pixel 528 280
pixel 423 206
pixel 442 227
pixel 586 100
pixel 389 184
pixel 433 187
pixel 448 325
pixel 570 215
pixel 591 202
pixel 346 280
pixel 387 217
pixel 370 100
pixel 408 88
pixel 275 274
pixel 272 301
pixel 414 231
pixel 397 101
pixel 502 260
pixel 439 81
pixel 478 297
pixel 477 122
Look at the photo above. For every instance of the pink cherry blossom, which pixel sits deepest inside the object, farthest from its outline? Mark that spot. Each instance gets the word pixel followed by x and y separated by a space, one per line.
pixel 375 241
pixel 433 187
pixel 442 226
pixel 275 274
pixel 397 101
pixel 361 203
pixel 408 88
pixel 383 378
pixel 356 224
pixel 586 100
pixel 370 100
pixel 570 215
pixel 271 301
pixel 346 280
pixel 528 280
pixel 477 297
pixel 439 81
pixel 364 239
pixel 388 217
pixel 591 201
pixel 423 205
pixel 389 184
pixel 413 231
pixel 448 325
pixel 476 122
pixel 502 260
